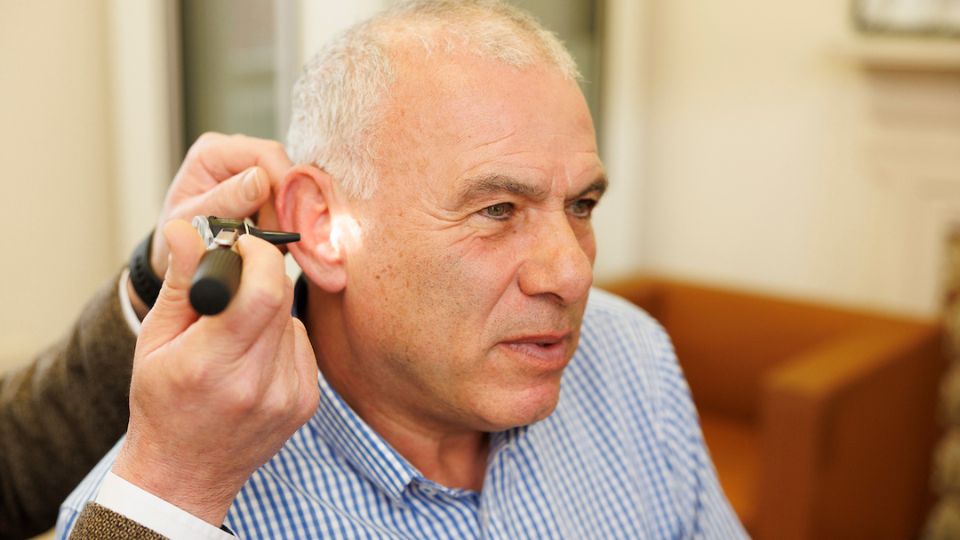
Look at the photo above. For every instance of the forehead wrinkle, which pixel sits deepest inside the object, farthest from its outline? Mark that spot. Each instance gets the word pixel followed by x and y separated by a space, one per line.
pixel 467 136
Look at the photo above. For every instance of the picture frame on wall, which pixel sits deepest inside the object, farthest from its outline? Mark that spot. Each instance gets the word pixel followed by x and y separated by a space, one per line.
pixel 913 17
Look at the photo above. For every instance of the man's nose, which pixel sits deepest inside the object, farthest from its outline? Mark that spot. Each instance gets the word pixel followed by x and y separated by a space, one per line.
pixel 556 263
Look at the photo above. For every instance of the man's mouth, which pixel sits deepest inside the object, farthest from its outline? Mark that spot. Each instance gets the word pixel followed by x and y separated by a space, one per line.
pixel 545 348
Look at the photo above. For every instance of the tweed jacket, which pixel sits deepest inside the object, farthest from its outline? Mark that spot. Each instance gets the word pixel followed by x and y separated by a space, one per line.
pixel 59 415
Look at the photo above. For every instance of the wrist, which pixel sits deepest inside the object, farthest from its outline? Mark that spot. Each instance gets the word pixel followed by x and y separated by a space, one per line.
pixel 154 513
pixel 144 282
pixel 139 307
pixel 194 488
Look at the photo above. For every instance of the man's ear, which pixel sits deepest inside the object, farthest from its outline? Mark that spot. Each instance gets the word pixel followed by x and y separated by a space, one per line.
pixel 305 202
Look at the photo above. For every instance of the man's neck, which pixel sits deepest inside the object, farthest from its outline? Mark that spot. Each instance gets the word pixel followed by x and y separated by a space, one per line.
pixel 451 457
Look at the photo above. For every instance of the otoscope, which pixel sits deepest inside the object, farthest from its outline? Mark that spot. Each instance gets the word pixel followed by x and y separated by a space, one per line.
pixel 218 274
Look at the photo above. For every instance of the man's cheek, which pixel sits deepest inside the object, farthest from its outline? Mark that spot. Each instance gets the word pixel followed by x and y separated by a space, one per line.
pixel 448 287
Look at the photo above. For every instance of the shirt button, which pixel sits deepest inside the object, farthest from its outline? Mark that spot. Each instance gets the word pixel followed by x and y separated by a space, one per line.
pixel 429 490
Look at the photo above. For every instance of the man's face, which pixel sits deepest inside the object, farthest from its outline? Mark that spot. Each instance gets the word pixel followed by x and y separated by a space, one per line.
pixel 465 295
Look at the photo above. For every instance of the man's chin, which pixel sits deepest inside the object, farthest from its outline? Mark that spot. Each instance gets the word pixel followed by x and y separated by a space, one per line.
pixel 510 413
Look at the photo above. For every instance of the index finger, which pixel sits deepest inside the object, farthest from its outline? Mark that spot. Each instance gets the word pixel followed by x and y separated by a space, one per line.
pixel 226 155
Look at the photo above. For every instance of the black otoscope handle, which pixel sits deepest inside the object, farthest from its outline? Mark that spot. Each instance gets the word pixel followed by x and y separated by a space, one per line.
pixel 216 280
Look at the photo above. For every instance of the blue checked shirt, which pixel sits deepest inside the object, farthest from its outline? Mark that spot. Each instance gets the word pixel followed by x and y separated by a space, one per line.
pixel 621 457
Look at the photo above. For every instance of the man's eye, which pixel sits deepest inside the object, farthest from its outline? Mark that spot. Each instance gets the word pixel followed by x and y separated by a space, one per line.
pixel 582 208
pixel 499 211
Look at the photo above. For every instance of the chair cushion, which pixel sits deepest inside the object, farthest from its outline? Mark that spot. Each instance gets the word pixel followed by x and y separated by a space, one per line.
pixel 735 449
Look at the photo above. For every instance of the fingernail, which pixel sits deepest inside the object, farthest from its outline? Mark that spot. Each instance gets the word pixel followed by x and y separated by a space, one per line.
pixel 251 184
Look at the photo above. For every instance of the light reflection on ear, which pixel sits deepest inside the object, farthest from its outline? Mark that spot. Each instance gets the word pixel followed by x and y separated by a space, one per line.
pixel 345 232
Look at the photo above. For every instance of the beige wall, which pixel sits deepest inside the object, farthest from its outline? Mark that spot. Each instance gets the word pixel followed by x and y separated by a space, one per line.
pixel 57 208
pixel 619 220
pixel 89 140
pixel 776 161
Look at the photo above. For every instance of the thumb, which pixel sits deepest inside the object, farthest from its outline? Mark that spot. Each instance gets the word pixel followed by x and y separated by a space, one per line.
pixel 172 312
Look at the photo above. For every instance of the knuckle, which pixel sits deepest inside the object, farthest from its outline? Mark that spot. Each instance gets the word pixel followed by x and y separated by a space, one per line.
pixel 309 404
pixel 291 403
pixel 203 144
pixel 206 139
pixel 245 396
pixel 191 378
pixel 276 405
pixel 268 297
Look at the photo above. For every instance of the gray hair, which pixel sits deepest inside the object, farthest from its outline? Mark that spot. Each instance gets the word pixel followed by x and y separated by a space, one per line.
pixel 335 101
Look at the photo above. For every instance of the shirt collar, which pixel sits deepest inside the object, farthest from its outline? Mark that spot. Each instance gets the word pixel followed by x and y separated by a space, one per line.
pixel 355 441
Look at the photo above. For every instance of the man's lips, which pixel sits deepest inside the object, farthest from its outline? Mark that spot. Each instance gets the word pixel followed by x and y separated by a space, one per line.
pixel 544 348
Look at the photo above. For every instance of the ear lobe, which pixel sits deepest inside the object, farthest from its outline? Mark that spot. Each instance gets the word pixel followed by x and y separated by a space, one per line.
pixel 305 202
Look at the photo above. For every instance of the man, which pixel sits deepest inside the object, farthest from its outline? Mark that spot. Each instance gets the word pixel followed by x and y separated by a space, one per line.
pixel 447 170
pixel 61 413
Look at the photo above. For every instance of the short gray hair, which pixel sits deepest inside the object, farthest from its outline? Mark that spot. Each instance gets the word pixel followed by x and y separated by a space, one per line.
pixel 335 101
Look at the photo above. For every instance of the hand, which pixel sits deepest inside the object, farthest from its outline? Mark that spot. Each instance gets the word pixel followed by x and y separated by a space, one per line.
pixel 214 398
pixel 222 175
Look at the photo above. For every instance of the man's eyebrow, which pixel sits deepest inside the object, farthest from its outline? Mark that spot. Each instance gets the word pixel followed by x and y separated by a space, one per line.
pixel 598 186
pixel 491 184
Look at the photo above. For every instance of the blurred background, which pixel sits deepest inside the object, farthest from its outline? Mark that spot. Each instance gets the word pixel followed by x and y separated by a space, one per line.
pixel 798 152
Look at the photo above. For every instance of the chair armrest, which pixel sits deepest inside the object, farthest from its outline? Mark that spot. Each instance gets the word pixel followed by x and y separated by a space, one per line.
pixel 847 430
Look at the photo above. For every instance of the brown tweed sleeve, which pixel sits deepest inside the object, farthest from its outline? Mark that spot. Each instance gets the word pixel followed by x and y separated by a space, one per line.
pixel 61 413
pixel 99 523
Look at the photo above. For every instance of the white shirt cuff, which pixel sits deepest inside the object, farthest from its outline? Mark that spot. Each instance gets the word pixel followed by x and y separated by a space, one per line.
pixel 153 512
pixel 126 306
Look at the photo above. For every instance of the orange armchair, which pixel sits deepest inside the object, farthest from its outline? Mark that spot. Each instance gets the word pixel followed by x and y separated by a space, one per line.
pixel 821 421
